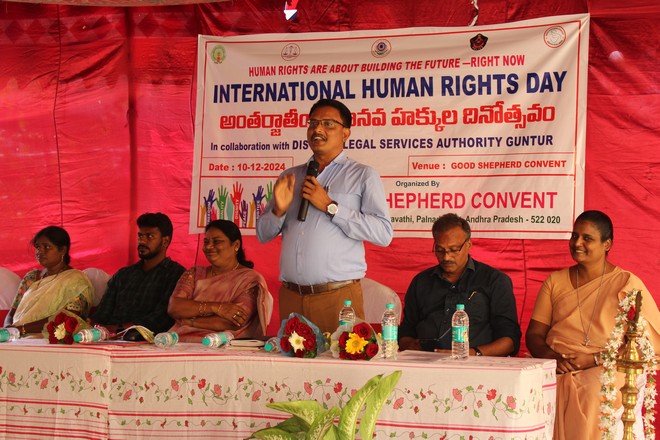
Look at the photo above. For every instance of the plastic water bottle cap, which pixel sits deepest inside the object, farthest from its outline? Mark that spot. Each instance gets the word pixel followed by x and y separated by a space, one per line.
pixel 206 341
pixel 389 306
pixel 77 337
pixel 460 306
pixel 268 346
pixel 347 302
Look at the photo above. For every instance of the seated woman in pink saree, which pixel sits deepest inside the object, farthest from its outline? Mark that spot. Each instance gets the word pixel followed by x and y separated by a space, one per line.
pixel 227 295
pixel 573 318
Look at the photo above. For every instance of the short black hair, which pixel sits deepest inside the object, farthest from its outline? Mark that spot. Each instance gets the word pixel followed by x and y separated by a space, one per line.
pixel 345 113
pixel 156 220
pixel 601 221
pixel 449 221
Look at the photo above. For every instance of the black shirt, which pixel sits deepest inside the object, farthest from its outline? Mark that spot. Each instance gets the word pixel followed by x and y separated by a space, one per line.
pixel 489 302
pixel 140 297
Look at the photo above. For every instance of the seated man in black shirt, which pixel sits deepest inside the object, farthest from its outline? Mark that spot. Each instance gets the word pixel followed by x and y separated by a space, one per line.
pixel 433 294
pixel 139 294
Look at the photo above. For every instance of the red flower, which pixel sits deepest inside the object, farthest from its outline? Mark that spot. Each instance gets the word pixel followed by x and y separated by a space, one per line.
pixel 285 345
pixel 291 325
pixel 371 350
pixel 362 330
pixel 342 340
pixel 127 394
pixel 310 342
pixel 491 394
pixel 201 384
pixel 338 387
pixel 70 324
pixel 299 353
pixel 256 395
pixel 631 314
pixel 68 339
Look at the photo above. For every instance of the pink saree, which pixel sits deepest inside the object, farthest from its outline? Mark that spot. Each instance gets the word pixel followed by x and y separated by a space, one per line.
pixel 243 286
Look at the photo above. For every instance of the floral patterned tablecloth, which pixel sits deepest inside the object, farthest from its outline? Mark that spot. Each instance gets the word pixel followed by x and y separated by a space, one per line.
pixel 190 391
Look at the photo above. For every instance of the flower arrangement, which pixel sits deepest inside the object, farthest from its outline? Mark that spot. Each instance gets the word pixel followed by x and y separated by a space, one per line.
pixel 61 328
pixel 356 341
pixel 298 337
pixel 626 313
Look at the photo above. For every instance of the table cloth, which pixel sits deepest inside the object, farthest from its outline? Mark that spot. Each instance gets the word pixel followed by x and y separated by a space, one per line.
pixel 122 391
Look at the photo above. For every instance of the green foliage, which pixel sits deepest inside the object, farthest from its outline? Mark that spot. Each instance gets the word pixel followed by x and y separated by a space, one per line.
pixel 310 421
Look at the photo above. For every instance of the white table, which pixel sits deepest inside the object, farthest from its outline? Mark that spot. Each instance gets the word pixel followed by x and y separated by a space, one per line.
pixel 189 391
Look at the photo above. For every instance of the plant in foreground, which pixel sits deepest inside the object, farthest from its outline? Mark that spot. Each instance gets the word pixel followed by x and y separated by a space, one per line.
pixel 310 421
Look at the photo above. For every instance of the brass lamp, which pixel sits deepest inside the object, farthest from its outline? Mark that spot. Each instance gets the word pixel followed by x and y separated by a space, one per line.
pixel 632 364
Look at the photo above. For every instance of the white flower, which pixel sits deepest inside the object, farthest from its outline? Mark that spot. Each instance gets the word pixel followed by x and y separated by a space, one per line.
pixel 60 332
pixel 296 341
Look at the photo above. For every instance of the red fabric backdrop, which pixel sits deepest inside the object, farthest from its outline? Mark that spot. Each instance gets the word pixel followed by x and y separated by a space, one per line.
pixel 96 122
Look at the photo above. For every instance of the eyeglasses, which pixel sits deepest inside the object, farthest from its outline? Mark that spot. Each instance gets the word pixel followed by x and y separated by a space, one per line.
pixel 325 123
pixel 451 252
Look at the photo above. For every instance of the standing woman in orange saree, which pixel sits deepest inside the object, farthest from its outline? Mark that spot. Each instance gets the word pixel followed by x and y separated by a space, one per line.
pixel 573 318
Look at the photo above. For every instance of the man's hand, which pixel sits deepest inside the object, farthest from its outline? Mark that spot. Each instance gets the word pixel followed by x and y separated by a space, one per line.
pixel 315 193
pixel 283 194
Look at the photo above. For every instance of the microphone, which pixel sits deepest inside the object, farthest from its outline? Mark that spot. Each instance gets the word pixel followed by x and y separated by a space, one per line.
pixel 312 170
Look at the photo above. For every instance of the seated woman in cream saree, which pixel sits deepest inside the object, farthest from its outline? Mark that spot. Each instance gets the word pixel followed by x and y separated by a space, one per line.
pixel 44 293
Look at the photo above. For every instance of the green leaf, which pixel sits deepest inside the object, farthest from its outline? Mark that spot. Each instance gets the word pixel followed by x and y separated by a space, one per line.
pixel 293 425
pixel 307 410
pixel 274 434
pixel 349 415
pixel 375 402
pixel 322 424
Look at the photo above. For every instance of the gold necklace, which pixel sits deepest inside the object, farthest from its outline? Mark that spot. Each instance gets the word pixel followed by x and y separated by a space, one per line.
pixel 213 273
pixel 593 312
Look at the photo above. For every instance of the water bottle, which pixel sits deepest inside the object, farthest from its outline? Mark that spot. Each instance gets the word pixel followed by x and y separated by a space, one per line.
pixel 460 333
pixel 166 339
pixel 347 313
pixel 215 340
pixel 9 334
pixel 87 335
pixel 272 345
pixel 390 323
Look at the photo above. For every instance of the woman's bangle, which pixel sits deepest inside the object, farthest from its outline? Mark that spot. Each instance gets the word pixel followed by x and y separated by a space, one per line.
pixel 596 361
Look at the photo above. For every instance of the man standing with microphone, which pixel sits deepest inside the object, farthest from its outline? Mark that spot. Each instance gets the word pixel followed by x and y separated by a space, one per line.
pixel 325 212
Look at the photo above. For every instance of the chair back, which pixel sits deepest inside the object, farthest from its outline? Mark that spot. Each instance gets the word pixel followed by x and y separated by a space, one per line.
pixel 376 296
pixel 9 282
pixel 99 279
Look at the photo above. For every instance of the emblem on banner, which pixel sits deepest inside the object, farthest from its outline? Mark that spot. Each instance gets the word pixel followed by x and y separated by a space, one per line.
pixel 290 52
pixel 218 54
pixel 478 42
pixel 381 48
pixel 555 36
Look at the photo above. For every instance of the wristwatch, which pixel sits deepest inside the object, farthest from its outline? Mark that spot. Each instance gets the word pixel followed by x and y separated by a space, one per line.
pixel 332 208
pixel 477 352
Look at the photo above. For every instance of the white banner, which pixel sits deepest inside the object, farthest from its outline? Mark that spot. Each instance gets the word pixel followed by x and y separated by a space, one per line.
pixel 487 122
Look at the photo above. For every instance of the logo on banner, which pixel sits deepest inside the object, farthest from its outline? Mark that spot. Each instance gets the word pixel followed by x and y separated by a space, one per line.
pixel 381 48
pixel 290 52
pixel 555 36
pixel 478 42
pixel 218 54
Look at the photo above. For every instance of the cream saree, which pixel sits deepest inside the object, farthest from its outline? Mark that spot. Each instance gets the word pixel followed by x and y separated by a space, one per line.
pixel 45 297
pixel 578 401
pixel 243 286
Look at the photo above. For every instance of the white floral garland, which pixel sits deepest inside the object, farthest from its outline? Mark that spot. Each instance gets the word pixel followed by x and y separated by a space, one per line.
pixel 608 391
